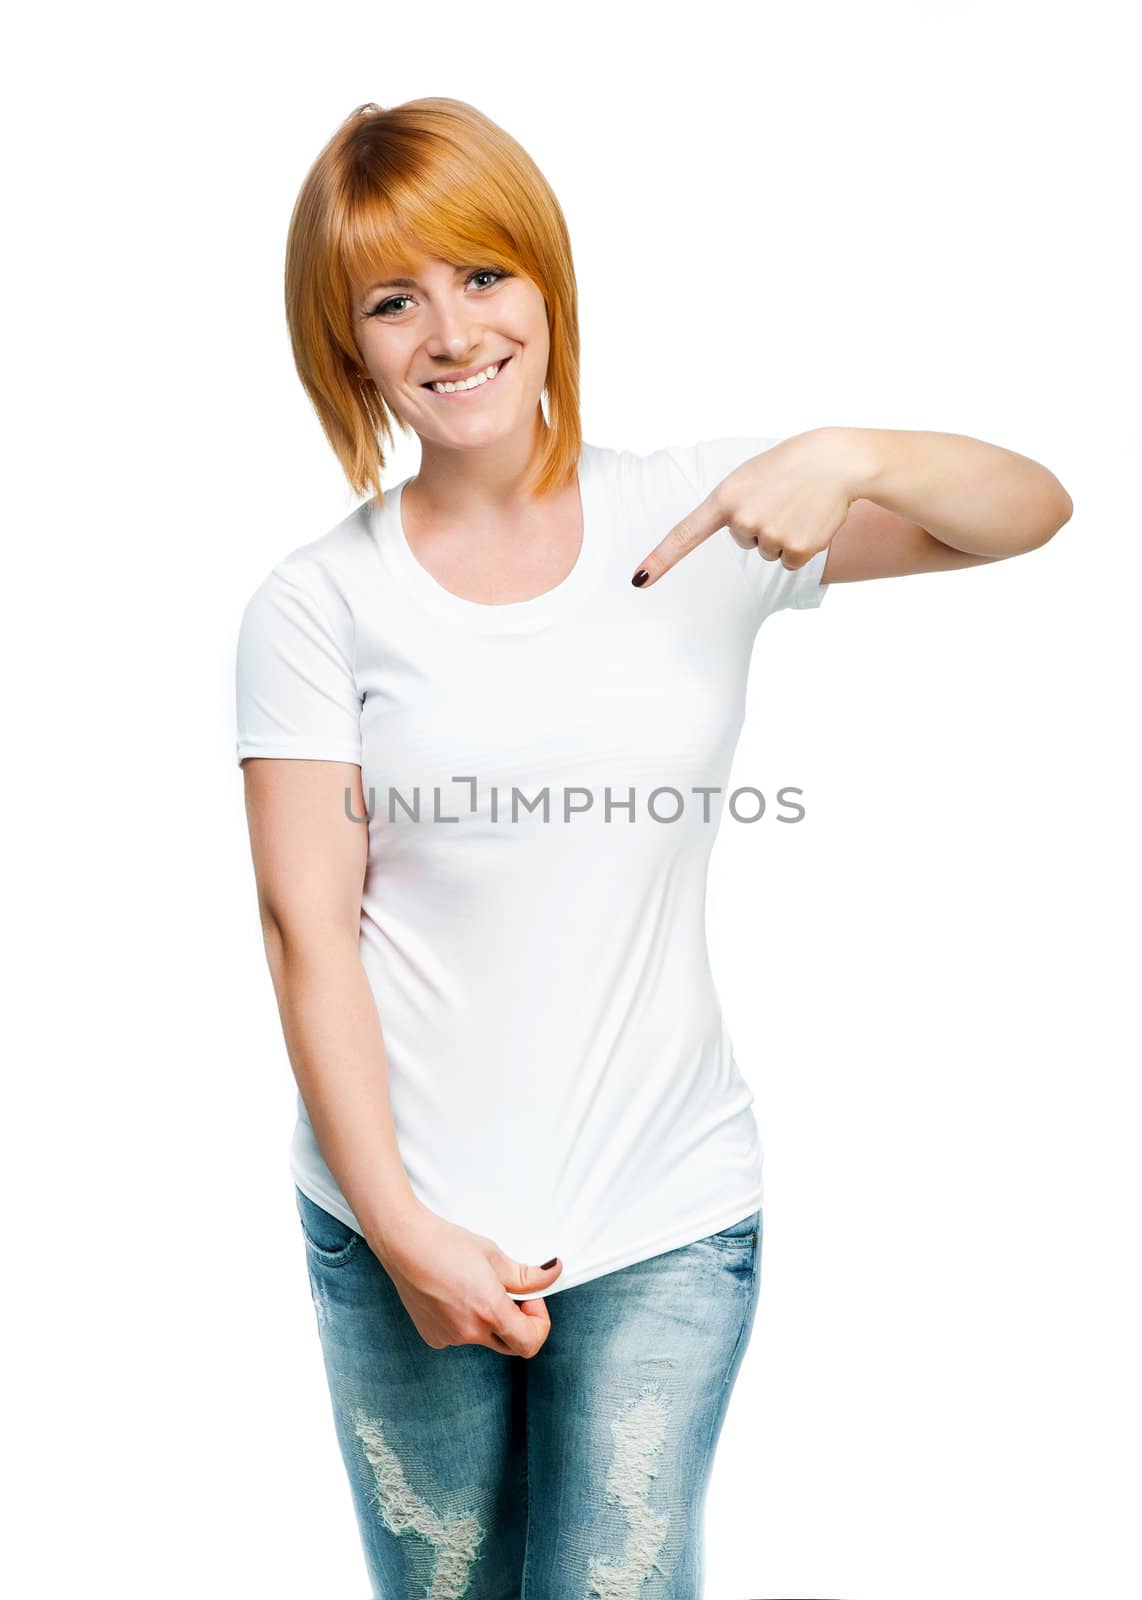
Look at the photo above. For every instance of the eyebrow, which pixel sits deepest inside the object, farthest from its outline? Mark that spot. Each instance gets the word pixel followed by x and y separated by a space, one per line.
pixel 407 283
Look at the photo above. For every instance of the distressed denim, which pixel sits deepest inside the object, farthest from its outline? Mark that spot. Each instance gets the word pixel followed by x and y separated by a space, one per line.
pixel 578 1474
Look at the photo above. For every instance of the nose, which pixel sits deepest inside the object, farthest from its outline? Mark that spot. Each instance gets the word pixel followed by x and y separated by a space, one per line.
pixel 455 331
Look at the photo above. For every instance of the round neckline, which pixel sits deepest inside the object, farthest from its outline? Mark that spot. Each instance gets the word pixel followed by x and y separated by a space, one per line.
pixel 512 616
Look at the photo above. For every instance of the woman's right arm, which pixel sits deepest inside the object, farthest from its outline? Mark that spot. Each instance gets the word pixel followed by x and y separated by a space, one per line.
pixel 309 866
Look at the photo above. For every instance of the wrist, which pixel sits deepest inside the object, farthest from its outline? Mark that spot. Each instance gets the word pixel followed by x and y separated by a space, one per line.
pixel 858 455
pixel 385 1232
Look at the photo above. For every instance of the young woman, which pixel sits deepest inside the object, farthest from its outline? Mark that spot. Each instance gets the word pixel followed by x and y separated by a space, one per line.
pixel 486 730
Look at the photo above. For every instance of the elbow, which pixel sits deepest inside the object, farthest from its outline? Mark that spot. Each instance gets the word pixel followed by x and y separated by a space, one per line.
pixel 300 940
pixel 1059 513
pixel 274 945
pixel 283 939
pixel 1063 507
pixel 270 919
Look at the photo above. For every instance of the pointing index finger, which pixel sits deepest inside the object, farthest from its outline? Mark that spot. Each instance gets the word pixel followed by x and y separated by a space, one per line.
pixel 684 536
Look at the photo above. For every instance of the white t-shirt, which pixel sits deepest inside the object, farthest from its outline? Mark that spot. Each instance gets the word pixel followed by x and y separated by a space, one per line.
pixel 561 1076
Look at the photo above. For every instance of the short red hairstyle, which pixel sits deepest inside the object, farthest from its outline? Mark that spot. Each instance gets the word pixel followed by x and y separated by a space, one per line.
pixel 432 177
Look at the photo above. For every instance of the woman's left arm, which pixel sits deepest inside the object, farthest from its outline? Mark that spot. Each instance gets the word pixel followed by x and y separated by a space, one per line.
pixel 930 502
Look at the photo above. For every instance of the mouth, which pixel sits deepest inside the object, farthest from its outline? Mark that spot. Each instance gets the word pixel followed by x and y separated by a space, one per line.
pixel 466 392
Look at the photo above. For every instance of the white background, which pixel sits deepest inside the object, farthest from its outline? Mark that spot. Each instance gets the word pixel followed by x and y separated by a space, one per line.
pixel 887 216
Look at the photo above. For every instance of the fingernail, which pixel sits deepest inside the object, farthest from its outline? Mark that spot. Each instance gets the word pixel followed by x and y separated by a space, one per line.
pixel 640 577
pixel 550 1263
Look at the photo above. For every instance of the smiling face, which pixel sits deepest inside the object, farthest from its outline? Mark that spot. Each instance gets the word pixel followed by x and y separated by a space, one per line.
pixel 448 320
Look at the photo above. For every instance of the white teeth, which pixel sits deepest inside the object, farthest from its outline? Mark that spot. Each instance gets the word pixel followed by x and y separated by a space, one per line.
pixel 470 383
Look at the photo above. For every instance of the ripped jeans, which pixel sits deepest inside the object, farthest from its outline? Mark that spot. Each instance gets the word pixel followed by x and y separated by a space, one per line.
pixel 578 1474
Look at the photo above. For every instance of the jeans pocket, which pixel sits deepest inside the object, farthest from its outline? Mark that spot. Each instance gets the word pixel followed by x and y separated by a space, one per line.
pixel 327 1238
pixel 739 1234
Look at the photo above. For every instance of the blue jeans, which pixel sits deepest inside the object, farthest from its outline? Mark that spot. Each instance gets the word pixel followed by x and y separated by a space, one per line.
pixel 578 1473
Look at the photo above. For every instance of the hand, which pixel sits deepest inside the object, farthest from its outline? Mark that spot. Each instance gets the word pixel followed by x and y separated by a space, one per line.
pixel 453 1283
pixel 787 503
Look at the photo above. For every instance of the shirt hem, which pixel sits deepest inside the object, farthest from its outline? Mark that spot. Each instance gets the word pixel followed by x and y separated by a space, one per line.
pixel 291 752
pixel 713 1222
pixel 690 1234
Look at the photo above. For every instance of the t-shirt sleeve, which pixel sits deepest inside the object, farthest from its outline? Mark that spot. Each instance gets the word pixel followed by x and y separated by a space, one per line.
pixel 774 587
pixel 297 694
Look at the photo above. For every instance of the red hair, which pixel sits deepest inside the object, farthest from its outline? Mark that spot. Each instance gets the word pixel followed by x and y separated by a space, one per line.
pixel 432 177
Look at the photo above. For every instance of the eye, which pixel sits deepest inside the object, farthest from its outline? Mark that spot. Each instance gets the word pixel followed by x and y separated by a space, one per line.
pixel 384 308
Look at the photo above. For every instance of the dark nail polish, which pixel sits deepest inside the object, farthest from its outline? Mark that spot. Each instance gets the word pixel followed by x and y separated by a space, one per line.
pixel 640 577
pixel 550 1263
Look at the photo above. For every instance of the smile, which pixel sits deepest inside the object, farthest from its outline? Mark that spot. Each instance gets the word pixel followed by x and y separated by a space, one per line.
pixel 480 381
